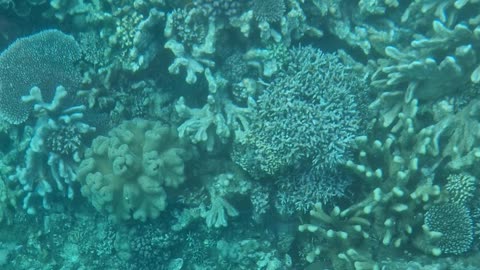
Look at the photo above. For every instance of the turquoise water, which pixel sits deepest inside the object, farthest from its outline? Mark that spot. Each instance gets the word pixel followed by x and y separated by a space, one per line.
pixel 222 134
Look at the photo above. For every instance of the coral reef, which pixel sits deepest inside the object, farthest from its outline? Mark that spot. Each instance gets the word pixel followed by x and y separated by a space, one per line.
pixel 220 8
pixel 223 134
pixel 53 151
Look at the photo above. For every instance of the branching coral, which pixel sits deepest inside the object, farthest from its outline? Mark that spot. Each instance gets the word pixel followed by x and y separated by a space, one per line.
pixel 51 160
pixel 218 120
pixel 397 184
pixel 442 56
pixel 8 201
pixel 298 192
pixel 292 25
pixel 221 8
pixel 311 111
pixel 191 38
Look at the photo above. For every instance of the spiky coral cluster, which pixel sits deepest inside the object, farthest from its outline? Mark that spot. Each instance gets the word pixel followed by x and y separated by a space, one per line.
pixel 305 116
pixel 298 192
pixel 393 190
pixel 399 164
pixel 53 150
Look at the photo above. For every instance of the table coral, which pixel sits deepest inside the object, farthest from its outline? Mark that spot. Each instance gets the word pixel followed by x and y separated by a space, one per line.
pixel 44 60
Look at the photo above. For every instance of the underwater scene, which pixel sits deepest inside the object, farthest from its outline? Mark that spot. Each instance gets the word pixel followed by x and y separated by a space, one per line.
pixel 239 134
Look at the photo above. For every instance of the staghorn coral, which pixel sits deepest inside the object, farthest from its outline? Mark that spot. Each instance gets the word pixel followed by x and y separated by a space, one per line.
pixel 397 186
pixel 358 23
pixel 442 55
pixel 304 115
pixel 44 60
pixel 217 200
pixel 444 11
pixel 452 136
pixel 337 230
pixel 270 60
pixel 192 40
pixel 299 191
pixel 223 186
pixel 127 174
pixel 125 32
pixel 292 25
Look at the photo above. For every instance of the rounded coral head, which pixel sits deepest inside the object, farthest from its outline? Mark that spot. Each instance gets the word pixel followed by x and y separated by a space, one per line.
pixel 128 173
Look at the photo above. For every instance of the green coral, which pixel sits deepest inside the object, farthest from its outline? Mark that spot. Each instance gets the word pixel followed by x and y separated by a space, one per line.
pixel 127 173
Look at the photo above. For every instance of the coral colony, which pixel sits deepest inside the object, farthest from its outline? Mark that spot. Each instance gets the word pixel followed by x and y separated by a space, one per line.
pixel 239 135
